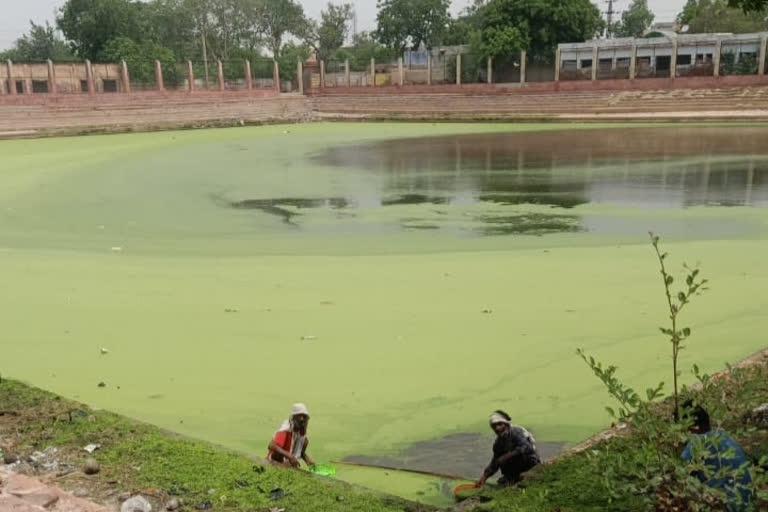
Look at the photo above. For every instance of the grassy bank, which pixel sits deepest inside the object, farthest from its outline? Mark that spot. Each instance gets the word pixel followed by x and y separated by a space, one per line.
pixel 139 458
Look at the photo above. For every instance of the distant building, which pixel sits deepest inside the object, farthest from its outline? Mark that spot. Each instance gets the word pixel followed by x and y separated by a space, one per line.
pixel 657 54
pixel 69 78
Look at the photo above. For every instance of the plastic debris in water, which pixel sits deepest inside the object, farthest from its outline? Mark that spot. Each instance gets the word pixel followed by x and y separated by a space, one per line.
pixel 322 469
pixel 104 351
pixel 308 338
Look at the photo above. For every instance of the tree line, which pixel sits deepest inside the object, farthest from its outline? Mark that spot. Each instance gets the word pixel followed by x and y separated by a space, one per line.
pixel 171 31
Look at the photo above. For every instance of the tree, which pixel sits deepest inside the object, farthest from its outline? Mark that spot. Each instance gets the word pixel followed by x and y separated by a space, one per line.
pixel 635 20
pixel 89 25
pixel 409 23
pixel 364 48
pixel 330 34
pixel 537 26
pixel 460 29
pixel 141 58
pixel 707 16
pixel 41 43
pixel 276 19
pixel 290 55
pixel 749 5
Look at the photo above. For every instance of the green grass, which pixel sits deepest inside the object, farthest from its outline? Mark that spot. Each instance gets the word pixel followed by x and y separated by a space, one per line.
pixel 137 456
pixel 403 351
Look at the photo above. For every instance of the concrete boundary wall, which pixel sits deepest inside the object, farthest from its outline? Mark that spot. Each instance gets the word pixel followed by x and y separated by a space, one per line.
pixel 40 115
pixel 645 84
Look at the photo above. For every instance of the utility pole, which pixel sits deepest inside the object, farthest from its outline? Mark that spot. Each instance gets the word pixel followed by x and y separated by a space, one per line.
pixel 609 13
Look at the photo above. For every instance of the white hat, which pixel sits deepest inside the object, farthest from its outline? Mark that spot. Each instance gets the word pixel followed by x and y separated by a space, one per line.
pixel 299 409
pixel 498 418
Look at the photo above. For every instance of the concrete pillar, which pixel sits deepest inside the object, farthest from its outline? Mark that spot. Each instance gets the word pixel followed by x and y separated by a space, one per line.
pixel 125 77
pixel 159 76
pixel 191 76
pixel 523 65
pixel 458 69
pixel 347 75
pixel 490 70
pixel 373 72
pixel 300 76
pixel 716 57
pixel 673 61
pixel 11 81
pixel 401 76
pixel 322 74
pixel 763 47
pixel 429 68
pixel 248 75
pixel 89 77
pixel 27 82
pixel 220 68
pixel 51 78
pixel 558 64
pixel 633 62
pixel 595 61
pixel 276 77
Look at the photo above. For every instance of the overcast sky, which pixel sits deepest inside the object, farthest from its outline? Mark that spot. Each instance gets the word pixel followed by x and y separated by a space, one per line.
pixel 16 14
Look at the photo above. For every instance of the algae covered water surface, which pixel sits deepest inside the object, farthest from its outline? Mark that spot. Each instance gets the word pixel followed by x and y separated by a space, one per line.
pixel 402 280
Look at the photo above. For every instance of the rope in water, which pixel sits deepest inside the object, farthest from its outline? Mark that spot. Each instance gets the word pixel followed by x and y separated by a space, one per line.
pixel 404 470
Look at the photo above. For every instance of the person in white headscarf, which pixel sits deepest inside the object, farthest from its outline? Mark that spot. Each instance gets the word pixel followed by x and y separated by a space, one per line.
pixel 514 451
pixel 289 445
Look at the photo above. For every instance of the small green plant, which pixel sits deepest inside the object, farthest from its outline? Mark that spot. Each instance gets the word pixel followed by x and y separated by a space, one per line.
pixel 652 469
pixel 676 303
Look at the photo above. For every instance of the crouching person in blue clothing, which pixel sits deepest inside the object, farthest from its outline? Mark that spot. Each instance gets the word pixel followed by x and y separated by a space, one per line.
pixel 727 467
pixel 514 451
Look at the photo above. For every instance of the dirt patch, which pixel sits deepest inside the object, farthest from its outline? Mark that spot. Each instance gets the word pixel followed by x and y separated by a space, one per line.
pixel 460 455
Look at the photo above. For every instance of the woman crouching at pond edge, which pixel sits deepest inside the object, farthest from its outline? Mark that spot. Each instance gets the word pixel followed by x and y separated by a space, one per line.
pixel 514 451
pixel 290 442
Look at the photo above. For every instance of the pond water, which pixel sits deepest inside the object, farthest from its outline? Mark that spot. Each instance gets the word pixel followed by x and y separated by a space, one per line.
pixel 468 180
pixel 403 280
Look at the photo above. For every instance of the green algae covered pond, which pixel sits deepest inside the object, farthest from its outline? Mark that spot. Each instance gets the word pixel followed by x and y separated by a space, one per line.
pixel 403 280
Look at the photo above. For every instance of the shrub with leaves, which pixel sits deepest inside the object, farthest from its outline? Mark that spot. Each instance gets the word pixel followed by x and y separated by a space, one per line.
pixel 653 469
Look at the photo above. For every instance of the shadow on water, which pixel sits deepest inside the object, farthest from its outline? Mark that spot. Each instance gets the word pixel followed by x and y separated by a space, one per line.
pixel 670 167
